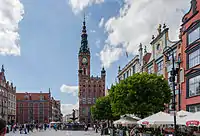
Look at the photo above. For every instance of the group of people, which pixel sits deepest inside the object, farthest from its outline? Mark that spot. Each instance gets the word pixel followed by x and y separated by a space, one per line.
pixel 156 131
pixel 25 128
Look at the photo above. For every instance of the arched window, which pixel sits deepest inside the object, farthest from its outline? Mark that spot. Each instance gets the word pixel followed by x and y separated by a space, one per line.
pixel 84 71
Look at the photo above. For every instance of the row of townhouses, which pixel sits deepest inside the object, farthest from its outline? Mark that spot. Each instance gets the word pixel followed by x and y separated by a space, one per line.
pixel 26 107
pixel 186 59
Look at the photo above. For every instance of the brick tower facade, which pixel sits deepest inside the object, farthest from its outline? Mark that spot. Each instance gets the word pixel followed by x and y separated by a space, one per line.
pixel 90 88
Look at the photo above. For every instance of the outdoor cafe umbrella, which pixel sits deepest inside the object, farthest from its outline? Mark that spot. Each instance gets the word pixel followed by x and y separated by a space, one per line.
pixel 157 119
pixel 183 113
pixel 126 120
pixel 190 120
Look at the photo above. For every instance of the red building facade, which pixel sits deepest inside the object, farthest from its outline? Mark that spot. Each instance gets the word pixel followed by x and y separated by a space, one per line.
pixel 33 107
pixel 90 88
pixel 190 35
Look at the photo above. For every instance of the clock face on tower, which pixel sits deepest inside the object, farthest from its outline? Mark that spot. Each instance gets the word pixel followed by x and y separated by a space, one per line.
pixel 84 60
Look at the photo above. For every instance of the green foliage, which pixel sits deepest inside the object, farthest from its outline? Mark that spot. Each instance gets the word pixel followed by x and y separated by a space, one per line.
pixel 102 109
pixel 69 121
pixel 141 94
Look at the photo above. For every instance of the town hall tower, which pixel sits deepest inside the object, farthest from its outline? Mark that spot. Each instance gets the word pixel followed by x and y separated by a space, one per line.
pixel 90 87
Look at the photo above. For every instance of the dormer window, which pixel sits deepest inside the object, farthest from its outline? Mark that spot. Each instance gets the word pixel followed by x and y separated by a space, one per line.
pixel 26 97
pixel 41 97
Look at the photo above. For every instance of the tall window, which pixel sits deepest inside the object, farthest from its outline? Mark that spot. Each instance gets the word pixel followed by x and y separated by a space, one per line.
pixel 94 100
pixel 194 86
pixel 159 67
pixel 194 108
pixel 120 79
pixel 84 71
pixel 194 35
pixel 181 75
pixel 194 58
pixel 84 100
pixel 83 111
pixel 133 69
pixel 124 76
pixel 89 100
pixel 150 69
pixel 127 73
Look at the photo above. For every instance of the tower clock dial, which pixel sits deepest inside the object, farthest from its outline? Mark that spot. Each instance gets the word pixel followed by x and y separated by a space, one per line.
pixel 84 60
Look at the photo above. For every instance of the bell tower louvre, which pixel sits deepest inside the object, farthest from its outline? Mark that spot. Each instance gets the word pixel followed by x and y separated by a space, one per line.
pixel 90 87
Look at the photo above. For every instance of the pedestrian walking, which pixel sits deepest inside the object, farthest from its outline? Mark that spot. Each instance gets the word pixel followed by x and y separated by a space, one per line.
pixel 55 127
pixel 36 126
pixel 20 129
pixel 14 128
pixel 28 127
pixel 25 129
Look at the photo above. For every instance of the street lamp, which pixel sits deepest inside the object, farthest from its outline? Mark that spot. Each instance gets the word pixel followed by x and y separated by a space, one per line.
pixel 173 73
pixel 179 83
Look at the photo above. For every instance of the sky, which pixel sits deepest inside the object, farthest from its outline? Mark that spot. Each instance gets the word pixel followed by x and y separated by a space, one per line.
pixel 40 39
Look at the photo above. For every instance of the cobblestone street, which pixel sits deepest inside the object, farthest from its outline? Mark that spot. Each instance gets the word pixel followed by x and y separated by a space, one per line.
pixel 57 133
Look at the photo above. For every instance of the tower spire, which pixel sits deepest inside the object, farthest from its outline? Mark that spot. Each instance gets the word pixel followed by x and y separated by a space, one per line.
pixel 2 68
pixel 84 42
pixel 84 26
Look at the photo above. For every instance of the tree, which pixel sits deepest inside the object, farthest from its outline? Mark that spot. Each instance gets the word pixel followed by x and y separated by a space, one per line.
pixel 102 109
pixel 141 94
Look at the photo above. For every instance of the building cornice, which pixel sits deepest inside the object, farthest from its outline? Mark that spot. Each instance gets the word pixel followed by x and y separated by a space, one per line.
pixel 134 60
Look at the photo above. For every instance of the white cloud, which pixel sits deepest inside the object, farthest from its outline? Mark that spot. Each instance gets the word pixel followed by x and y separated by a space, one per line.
pixel 67 108
pixel 11 13
pixel 69 89
pixel 101 22
pixel 110 54
pixel 97 54
pixel 92 31
pixel 79 5
pixel 137 22
pixel 97 43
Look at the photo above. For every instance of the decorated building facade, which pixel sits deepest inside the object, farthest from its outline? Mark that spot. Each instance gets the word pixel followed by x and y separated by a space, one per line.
pixel 7 99
pixel 186 60
pixel 190 36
